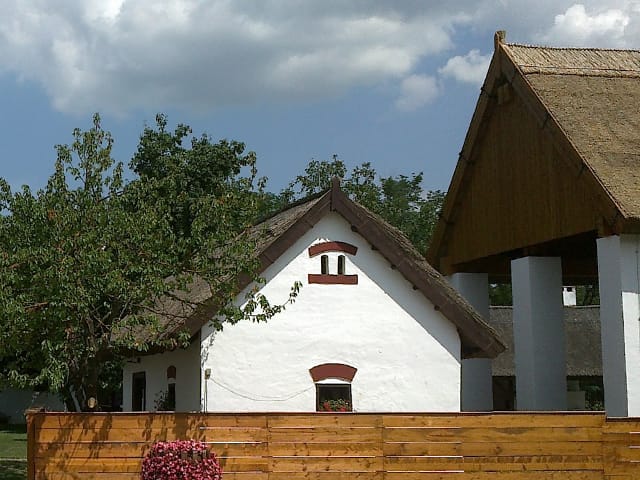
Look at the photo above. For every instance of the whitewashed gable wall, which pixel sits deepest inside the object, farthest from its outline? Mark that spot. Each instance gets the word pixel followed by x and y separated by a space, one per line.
pixel 403 364
pixel 407 354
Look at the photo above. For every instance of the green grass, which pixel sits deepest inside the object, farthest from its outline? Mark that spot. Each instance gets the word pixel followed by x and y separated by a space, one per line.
pixel 13 445
pixel 13 442
pixel 13 469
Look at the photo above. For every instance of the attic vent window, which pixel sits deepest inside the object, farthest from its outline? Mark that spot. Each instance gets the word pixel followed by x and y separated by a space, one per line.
pixel 324 277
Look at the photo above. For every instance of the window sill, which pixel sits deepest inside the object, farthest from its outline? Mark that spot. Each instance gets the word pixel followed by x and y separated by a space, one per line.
pixel 325 279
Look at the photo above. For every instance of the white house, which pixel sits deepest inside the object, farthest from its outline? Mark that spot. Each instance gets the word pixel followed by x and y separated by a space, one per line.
pixel 373 325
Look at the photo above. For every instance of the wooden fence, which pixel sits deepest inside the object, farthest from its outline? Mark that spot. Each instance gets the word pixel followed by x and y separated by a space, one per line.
pixel 326 446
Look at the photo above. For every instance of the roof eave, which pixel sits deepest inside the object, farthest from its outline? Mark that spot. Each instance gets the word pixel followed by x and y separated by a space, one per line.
pixel 478 339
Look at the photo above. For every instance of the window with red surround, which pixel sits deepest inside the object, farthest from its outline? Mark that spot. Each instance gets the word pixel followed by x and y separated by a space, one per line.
pixel 333 386
pixel 325 277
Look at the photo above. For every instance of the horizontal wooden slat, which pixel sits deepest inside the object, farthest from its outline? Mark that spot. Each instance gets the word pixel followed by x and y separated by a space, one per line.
pixel 494 476
pixel 472 464
pixel 325 420
pixel 324 434
pixel 560 434
pixel 84 476
pixel 489 420
pixel 69 435
pixel 492 448
pixel 325 476
pixel 136 476
pixel 148 420
pixel 90 465
pixel 290 449
pixel 138 449
pixel 326 464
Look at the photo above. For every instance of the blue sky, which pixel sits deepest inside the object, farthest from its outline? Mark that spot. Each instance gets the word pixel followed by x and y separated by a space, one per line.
pixel 392 83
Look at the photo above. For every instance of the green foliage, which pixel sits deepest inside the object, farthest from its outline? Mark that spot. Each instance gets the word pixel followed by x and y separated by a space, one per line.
pixel 500 294
pixel 82 260
pixel 13 469
pixel 400 200
pixel 587 294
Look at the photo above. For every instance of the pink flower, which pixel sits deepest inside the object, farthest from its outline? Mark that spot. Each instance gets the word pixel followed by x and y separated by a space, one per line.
pixel 180 459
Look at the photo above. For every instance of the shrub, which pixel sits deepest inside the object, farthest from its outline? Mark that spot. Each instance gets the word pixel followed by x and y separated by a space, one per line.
pixel 181 459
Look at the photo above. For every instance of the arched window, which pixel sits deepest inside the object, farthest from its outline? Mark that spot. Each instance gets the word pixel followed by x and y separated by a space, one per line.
pixel 333 387
pixel 341 261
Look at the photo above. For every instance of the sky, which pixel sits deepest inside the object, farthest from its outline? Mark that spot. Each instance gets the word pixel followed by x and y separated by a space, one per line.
pixel 390 82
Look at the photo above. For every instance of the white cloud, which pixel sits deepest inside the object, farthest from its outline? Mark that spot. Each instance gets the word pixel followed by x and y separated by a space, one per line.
pixel 122 54
pixel 470 68
pixel 576 26
pixel 416 92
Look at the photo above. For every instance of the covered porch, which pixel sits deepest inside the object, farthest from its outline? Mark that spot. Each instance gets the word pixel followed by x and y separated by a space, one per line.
pixel 545 194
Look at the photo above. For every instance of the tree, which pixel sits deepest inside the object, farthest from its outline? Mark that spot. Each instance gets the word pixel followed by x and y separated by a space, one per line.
pixel 82 260
pixel 400 200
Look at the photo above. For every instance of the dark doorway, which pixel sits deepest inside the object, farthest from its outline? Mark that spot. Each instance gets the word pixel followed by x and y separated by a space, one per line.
pixel 139 392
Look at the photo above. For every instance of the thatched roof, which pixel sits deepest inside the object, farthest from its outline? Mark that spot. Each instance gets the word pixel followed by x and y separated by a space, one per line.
pixel 277 233
pixel 550 162
pixel 594 95
pixel 582 334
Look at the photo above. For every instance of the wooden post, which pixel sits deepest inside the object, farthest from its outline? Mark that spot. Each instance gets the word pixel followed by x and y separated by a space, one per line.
pixel 31 415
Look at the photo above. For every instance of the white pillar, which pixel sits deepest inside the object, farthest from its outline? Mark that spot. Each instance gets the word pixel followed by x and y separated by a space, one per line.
pixel 538 333
pixel 476 380
pixel 619 278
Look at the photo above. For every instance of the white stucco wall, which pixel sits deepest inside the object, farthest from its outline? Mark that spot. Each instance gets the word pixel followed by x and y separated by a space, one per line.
pixel 407 354
pixel 187 363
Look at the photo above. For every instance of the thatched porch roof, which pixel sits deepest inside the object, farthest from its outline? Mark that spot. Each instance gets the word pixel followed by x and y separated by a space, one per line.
pixel 551 161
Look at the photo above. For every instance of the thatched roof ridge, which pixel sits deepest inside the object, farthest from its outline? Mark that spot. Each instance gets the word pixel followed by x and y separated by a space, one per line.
pixel 582 341
pixel 576 61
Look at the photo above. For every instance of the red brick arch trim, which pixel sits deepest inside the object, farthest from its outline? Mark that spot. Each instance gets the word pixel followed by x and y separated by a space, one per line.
pixel 323 247
pixel 332 370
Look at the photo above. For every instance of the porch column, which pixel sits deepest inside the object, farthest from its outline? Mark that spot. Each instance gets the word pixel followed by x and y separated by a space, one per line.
pixel 476 380
pixel 619 278
pixel 538 333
